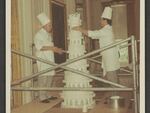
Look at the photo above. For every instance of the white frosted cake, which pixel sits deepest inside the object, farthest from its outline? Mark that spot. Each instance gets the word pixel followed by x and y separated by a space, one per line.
pixel 76 48
pixel 74 20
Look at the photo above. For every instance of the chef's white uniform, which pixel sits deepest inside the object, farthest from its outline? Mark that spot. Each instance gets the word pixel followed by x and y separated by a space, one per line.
pixel 110 57
pixel 43 38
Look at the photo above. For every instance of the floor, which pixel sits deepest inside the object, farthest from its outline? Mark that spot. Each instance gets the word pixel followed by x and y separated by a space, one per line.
pixel 101 105
pixel 36 107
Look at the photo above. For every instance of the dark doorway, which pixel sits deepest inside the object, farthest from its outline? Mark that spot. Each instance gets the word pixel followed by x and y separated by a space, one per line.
pixel 59 28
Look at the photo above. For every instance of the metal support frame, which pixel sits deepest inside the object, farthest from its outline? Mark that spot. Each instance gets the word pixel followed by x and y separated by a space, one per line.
pixel 55 66
pixel 67 68
pixel 63 66
pixel 134 75
pixel 97 74
pixel 69 89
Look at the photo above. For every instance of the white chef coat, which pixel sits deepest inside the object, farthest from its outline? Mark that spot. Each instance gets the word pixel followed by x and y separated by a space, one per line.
pixel 43 38
pixel 110 57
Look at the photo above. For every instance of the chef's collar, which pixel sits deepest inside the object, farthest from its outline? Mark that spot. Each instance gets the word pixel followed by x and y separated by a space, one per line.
pixel 106 26
pixel 43 30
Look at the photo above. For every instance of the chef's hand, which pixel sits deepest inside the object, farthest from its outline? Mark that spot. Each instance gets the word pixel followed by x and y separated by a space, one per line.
pixel 78 28
pixel 58 50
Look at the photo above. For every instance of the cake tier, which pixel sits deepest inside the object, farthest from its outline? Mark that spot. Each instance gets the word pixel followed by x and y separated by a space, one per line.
pixel 78 99
pixel 77 84
pixel 75 52
pixel 76 39
pixel 74 20
pixel 75 35
pixel 76 78
pixel 76 48
pixel 79 65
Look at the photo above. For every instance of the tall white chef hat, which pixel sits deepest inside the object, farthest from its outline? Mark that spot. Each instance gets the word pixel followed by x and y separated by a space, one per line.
pixel 43 19
pixel 107 13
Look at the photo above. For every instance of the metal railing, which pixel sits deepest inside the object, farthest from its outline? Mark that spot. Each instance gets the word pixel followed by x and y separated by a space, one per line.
pixel 64 67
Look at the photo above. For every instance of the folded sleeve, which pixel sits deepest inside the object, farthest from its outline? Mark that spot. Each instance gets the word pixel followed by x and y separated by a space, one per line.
pixel 96 34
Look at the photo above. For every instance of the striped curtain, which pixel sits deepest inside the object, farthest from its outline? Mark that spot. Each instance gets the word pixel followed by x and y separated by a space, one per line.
pixel 15 44
pixel 27 10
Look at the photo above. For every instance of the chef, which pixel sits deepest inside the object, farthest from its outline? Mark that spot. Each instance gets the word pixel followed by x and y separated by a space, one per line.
pixel 110 57
pixel 45 49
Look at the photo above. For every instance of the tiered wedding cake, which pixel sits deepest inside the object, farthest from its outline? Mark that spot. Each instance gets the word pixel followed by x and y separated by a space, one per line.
pixel 76 48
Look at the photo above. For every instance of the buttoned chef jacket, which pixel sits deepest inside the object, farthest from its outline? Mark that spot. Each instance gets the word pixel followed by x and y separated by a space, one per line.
pixel 110 57
pixel 43 38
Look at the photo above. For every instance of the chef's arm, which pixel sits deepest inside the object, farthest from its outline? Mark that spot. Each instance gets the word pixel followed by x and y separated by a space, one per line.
pixel 47 48
pixel 52 48
pixel 96 34
pixel 84 31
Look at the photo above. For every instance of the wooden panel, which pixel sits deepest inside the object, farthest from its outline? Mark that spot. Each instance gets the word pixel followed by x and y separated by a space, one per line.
pixel 15 44
pixel 59 29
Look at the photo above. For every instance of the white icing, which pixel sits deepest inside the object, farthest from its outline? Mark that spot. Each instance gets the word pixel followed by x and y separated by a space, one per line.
pixel 74 20
pixel 76 48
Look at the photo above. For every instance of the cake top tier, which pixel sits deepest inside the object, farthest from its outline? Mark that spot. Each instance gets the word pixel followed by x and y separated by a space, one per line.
pixel 74 20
